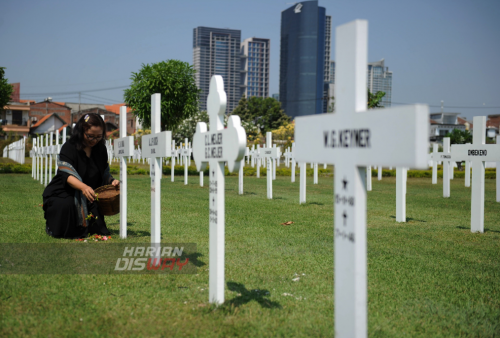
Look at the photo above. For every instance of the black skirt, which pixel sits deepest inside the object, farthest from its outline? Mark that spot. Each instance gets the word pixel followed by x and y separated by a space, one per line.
pixel 62 219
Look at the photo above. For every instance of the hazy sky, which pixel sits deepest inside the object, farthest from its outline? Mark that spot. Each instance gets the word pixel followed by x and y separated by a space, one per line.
pixel 437 50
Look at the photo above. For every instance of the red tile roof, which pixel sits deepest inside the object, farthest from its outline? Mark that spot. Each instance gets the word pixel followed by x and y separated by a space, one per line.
pixel 115 108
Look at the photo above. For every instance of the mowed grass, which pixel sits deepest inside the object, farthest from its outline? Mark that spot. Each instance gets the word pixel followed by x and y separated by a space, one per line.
pixel 429 277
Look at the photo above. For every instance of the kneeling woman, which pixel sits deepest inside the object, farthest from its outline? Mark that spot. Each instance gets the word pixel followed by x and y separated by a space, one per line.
pixel 83 166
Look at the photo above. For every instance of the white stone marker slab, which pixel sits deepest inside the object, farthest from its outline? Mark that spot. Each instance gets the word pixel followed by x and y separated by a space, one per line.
pixel 155 146
pixel 292 159
pixel 478 152
pixel 302 183
pixel 369 178
pixel 352 139
pixel 215 147
pixel 315 181
pixel 434 163
pixel 401 178
pixel 123 147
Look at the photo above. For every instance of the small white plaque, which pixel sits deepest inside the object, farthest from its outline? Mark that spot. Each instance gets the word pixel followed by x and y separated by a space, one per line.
pixel 124 146
pixel 157 145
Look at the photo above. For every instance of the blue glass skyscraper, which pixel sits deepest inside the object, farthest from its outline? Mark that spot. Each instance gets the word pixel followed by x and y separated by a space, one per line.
pixel 304 58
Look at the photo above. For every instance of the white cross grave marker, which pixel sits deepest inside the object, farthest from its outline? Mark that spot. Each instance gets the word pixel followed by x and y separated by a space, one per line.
pixel 172 161
pixel 478 152
pixel 496 171
pixel 302 182
pixel 155 146
pixel 123 147
pixel 215 147
pixel 292 159
pixel 186 154
pixel 352 139
pixel 369 178
pixel 379 173
pixel 315 181
pixel 270 153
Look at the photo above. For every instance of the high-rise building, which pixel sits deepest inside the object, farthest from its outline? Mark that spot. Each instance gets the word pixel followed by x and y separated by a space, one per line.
pixel 379 80
pixel 255 54
pixel 304 59
pixel 216 51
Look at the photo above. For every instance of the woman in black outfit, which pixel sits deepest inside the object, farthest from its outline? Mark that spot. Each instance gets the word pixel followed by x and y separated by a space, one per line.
pixel 69 199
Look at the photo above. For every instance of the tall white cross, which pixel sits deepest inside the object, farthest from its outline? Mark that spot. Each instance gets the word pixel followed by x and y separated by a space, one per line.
pixel 155 146
pixel 478 152
pixel 353 138
pixel 123 147
pixel 215 147
pixel 186 154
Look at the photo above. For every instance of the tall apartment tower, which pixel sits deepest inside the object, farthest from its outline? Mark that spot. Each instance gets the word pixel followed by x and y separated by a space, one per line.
pixel 304 59
pixel 379 79
pixel 216 51
pixel 255 54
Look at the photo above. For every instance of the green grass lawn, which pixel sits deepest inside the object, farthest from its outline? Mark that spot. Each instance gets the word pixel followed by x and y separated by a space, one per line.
pixel 429 277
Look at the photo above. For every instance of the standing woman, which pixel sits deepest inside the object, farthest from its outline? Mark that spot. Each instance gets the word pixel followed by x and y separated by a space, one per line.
pixel 69 199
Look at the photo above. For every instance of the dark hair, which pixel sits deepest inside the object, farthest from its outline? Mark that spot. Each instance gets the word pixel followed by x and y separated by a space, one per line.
pixel 85 123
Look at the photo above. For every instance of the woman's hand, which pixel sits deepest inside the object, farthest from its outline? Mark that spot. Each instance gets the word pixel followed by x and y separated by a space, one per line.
pixel 89 193
pixel 115 183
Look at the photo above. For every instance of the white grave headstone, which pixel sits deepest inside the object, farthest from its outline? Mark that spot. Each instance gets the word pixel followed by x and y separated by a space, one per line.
pixel 353 139
pixel 215 147
pixel 270 153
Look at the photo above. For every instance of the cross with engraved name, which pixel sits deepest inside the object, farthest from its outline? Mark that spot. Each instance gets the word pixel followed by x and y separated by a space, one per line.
pixel 353 138
pixel 215 147
pixel 445 157
pixel 123 147
pixel 155 146
pixel 478 152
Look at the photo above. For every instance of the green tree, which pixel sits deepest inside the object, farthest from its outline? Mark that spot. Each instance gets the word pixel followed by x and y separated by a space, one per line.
pixel 374 100
pixel 266 113
pixel 175 81
pixel 5 89
pixel 459 137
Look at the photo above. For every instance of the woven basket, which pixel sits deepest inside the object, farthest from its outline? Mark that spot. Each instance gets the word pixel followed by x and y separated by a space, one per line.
pixel 109 199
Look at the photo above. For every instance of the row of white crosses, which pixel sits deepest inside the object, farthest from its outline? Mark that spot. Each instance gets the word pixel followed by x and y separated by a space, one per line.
pixel 43 155
pixel 476 153
pixel 15 151
pixel 352 139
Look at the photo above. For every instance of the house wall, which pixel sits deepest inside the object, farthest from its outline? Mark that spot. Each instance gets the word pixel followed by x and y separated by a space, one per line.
pixel 41 109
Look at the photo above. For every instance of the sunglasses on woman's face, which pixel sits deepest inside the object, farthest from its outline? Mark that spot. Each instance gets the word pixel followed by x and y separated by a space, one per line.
pixel 92 138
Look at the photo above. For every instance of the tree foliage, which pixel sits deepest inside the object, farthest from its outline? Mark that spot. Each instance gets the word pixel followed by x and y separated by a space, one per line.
pixel 175 81
pixel 266 113
pixel 5 89
pixel 459 136
pixel 285 134
pixel 374 100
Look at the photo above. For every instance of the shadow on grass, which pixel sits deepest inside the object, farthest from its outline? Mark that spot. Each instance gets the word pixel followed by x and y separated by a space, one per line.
pixel 249 193
pixel 193 258
pixel 245 296
pixel 312 203
pixel 131 233
pixel 485 230
pixel 279 198
pixel 409 219
pixel 118 223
